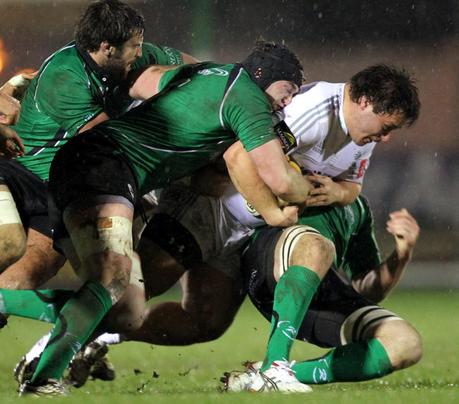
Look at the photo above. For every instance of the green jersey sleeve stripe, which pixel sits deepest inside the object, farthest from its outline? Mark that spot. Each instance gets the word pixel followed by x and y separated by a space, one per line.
pixel 220 114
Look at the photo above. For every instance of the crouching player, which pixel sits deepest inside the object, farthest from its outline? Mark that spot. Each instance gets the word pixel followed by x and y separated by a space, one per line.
pixel 367 340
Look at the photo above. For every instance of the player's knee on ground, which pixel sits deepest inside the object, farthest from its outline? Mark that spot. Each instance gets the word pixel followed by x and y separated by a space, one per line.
pixel 13 244
pixel 314 252
pixel 401 341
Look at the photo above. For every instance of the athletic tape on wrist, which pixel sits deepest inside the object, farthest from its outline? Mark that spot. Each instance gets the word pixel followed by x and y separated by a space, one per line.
pixel 18 81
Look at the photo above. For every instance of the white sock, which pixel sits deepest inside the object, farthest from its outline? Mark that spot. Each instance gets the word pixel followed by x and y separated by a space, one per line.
pixel 38 348
pixel 110 339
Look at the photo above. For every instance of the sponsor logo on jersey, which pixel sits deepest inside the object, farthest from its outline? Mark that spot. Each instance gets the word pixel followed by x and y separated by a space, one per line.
pixel 173 59
pixel 251 209
pixel 213 71
pixel 285 135
pixel 362 168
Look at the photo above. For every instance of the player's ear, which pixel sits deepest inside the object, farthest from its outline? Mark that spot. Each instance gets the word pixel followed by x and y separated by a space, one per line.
pixel 363 102
pixel 106 49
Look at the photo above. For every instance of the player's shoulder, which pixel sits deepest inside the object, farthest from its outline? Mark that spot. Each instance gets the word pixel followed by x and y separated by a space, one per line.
pixel 233 76
pixel 66 56
pixel 65 61
pixel 319 89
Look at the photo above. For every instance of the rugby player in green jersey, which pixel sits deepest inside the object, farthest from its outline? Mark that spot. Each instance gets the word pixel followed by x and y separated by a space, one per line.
pixel 96 179
pixel 76 88
pixel 343 313
pixel 299 258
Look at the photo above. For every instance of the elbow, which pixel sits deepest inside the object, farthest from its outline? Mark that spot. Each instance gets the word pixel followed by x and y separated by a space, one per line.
pixel 231 155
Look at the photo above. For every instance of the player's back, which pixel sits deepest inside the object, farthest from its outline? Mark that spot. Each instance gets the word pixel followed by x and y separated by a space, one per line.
pixel 198 113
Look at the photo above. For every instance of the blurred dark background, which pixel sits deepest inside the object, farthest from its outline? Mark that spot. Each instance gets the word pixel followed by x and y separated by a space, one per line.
pixel 418 170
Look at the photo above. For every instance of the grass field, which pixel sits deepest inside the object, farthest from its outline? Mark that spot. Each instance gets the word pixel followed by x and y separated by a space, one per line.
pixel 191 374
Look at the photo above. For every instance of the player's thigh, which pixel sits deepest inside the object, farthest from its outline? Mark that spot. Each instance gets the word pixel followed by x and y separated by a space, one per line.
pixel 40 249
pixel 211 293
pixel 160 270
pixel 93 193
pixel 22 196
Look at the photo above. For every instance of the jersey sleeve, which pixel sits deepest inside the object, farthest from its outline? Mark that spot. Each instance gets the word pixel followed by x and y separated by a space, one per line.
pixel 158 55
pixel 66 97
pixel 246 111
pixel 363 253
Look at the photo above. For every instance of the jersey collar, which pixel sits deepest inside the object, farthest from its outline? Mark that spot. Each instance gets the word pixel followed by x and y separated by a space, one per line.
pixel 103 75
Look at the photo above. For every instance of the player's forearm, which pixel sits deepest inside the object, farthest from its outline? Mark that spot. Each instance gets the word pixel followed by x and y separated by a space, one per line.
pixel 146 85
pixel 379 282
pixel 188 59
pixel 9 109
pixel 282 179
pixel 349 192
pixel 249 184
pixel 295 188
pixel 17 85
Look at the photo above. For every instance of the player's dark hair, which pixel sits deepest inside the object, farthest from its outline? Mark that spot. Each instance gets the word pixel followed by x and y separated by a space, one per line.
pixel 107 20
pixel 389 89
pixel 269 62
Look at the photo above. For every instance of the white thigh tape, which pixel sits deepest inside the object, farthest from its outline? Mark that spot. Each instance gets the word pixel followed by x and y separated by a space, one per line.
pixel 112 234
pixel 8 211
pixel 291 236
pixel 355 327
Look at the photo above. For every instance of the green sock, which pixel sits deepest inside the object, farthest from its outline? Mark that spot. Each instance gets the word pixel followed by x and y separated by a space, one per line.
pixel 292 297
pixel 77 320
pixel 42 305
pixel 348 363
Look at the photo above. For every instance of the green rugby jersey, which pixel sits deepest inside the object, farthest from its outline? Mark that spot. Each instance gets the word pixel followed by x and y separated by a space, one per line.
pixel 69 90
pixel 200 110
pixel 351 229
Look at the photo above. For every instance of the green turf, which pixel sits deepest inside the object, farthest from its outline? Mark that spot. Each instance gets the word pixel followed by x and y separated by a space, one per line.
pixel 190 374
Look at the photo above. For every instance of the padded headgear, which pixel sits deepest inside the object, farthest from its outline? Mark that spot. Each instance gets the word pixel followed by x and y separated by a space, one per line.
pixel 270 62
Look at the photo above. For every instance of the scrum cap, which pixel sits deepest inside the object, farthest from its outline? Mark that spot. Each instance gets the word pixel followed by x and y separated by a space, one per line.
pixel 270 62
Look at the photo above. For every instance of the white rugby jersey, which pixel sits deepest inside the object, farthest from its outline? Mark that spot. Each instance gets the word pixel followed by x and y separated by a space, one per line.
pixel 321 145
pixel 315 117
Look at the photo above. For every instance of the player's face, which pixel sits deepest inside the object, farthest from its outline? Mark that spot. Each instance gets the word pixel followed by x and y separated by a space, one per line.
pixel 371 127
pixel 125 56
pixel 281 93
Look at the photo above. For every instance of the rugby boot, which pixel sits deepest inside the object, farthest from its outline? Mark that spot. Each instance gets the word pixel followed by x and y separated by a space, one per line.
pixel 49 388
